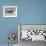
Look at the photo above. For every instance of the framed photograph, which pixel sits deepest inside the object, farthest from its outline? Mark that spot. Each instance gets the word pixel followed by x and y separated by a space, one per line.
pixel 31 32
pixel 9 11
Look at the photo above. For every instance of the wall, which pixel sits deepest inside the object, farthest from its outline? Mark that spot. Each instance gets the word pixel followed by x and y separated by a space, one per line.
pixel 7 25
pixel 29 12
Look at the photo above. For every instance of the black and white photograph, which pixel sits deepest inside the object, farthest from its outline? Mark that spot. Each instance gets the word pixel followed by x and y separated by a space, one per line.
pixel 30 34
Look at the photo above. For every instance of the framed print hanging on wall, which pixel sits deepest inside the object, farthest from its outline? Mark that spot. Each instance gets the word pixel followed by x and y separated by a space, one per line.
pixel 9 11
